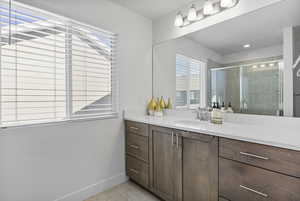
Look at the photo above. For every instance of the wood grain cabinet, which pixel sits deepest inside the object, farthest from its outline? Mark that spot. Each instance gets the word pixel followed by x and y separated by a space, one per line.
pixel 199 167
pixel 137 152
pixel 253 172
pixel 185 165
pixel 165 164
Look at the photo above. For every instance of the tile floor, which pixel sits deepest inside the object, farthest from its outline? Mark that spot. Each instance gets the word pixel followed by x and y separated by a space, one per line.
pixel 124 192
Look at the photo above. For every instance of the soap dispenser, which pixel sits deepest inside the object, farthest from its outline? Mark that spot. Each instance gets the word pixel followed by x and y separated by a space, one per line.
pixel 216 115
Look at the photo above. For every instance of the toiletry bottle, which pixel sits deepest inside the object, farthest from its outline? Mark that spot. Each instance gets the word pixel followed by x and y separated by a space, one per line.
pixel 229 109
pixel 223 108
pixel 216 115
pixel 218 105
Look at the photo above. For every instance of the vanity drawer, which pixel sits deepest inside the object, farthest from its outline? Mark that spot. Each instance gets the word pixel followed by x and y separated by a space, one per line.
pixel 137 170
pixel 276 159
pixel 137 146
pixel 137 128
pixel 244 182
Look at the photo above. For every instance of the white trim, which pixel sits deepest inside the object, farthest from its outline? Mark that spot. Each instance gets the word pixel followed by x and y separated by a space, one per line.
pixel 90 190
pixel 58 122
pixel 61 16
pixel 203 85
pixel 68 70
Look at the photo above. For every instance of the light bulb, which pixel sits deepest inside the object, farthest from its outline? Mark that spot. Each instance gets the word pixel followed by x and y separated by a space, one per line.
pixel 192 15
pixel 178 20
pixel 200 16
pixel 208 8
pixel 216 9
pixel 227 3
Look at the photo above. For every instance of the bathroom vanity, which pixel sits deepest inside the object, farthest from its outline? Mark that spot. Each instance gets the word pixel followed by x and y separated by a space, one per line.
pixel 183 161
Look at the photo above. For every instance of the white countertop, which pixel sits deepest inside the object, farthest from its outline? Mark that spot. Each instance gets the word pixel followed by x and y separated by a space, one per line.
pixel 273 135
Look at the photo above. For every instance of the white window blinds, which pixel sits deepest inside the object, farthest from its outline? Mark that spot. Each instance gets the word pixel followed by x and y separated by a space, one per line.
pixel 93 76
pixel 189 75
pixel 53 68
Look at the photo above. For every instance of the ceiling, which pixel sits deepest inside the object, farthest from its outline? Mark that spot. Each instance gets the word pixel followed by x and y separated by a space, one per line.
pixel 153 9
pixel 261 28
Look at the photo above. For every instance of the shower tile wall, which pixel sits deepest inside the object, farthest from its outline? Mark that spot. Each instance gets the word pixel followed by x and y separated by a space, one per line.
pixel 252 89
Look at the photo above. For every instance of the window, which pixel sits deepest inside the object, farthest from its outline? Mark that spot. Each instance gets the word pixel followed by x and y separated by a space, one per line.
pixel 190 82
pixel 53 68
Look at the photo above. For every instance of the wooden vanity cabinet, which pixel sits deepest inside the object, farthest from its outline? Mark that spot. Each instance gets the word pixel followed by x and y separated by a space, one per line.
pixel 137 152
pixel 254 172
pixel 199 167
pixel 185 165
pixel 165 163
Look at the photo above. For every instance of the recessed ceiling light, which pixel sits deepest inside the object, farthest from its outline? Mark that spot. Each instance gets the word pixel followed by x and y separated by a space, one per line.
pixel 246 45
pixel 262 65
pixel 254 67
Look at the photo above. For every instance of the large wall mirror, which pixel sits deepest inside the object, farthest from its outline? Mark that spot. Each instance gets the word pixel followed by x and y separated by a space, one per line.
pixel 246 62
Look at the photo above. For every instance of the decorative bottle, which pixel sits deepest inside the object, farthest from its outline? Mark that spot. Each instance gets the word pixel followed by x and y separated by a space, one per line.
pixel 152 107
pixel 169 104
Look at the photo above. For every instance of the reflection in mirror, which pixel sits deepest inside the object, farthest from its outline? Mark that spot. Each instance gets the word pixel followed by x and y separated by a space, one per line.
pixel 241 62
pixel 252 88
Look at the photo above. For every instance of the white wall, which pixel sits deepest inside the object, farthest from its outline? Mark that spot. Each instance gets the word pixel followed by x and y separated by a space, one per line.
pixel 246 55
pixel 165 63
pixel 71 161
pixel 163 28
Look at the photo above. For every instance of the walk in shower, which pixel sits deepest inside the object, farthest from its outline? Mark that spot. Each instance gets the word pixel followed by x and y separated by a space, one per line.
pixel 251 88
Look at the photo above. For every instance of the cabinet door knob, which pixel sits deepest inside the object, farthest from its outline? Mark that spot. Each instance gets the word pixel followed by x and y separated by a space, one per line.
pixel 254 191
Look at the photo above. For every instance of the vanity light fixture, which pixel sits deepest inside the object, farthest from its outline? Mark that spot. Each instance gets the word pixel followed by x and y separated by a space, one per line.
pixel 210 8
pixel 178 20
pixel 192 15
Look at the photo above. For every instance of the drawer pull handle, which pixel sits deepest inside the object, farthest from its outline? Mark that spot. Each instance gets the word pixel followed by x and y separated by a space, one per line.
pixel 172 135
pixel 134 146
pixel 254 156
pixel 177 141
pixel 134 128
pixel 134 171
pixel 254 191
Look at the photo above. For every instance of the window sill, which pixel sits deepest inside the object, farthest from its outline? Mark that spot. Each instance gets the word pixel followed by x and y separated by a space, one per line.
pixel 59 122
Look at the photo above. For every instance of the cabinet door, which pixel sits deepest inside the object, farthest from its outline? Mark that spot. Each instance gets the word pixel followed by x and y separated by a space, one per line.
pixel 199 167
pixel 164 162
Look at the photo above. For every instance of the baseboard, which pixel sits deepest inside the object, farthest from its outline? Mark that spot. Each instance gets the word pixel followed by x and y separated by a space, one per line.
pixel 93 189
